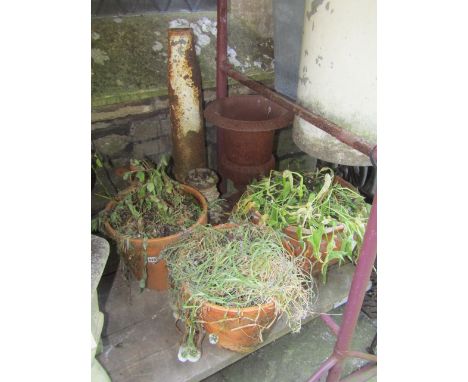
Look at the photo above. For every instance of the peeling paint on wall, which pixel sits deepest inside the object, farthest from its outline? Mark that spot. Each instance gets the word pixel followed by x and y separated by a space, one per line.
pixel 313 8
pixel 340 81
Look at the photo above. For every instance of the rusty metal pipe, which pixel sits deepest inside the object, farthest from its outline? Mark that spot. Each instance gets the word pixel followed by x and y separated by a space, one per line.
pixel 221 76
pixel 185 98
pixel 329 127
pixel 221 49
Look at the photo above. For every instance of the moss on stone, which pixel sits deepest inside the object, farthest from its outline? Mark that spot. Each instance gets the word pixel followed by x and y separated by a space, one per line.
pixel 129 64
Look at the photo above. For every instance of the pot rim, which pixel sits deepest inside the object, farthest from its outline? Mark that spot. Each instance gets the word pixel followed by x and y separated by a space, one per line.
pixel 213 115
pixel 202 170
pixel 197 194
pixel 268 305
pixel 248 309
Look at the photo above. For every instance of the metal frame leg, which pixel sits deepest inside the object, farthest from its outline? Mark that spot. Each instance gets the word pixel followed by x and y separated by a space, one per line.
pixel 221 76
pixel 357 292
pixel 334 364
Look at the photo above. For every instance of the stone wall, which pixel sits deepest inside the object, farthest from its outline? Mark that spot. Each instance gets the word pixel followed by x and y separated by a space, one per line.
pixel 129 54
pixel 257 14
pixel 130 116
pixel 149 137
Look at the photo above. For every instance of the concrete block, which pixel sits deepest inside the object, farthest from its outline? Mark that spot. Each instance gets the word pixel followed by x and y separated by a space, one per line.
pixel 211 156
pixel 297 162
pixel 99 255
pixel 284 144
pixel 99 125
pixel 145 130
pixel 165 124
pixel 210 131
pixel 154 147
pixel 112 144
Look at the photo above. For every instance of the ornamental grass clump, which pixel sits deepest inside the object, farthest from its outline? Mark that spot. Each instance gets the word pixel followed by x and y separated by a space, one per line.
pixel 235 266
pixel 314 204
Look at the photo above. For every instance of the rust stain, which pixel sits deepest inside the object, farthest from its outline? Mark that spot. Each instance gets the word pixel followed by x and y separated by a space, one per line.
pixel 249 123
pixel 329 127
pixel 184 88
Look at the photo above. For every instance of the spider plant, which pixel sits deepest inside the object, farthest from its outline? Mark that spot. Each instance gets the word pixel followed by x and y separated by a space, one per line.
pixel 315 205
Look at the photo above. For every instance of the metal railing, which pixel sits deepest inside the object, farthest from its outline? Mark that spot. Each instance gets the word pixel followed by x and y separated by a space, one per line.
pixel 333 365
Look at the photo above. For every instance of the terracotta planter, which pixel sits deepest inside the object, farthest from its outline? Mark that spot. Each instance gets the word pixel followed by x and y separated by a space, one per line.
pixel 248 124
pixel 240 329
pixel 294 247
pixel 237 329
pixel 157 275
pixel 311 263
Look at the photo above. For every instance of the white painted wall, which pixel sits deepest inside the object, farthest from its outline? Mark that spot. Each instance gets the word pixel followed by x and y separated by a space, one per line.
pixel 338 76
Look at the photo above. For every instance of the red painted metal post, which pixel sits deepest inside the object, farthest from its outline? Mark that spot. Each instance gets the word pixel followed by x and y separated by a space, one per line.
pixel 324 367
pixel 329 127
pixel 369 248
pixel 221 50
pixel 221 76
pixel 356 293
pixel 330 322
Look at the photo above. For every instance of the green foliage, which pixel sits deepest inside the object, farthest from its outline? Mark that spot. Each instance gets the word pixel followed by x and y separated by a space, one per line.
pixel 97 163
pixel 314 204
pixel 155 206
pixel 237 267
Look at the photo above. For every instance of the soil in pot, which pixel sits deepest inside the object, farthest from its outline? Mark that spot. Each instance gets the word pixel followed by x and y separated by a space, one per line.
pixel 145 218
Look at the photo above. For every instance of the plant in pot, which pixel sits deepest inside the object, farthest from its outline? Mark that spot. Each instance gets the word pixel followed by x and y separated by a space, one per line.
pixel 323 217
pixel 152 213
pixel 234 281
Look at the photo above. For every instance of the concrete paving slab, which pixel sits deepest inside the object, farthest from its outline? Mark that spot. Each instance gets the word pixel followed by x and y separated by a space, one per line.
pixel 295 357
pixel 141 340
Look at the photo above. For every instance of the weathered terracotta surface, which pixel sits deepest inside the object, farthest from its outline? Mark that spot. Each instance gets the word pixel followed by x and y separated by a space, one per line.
pixel 247 113
pixel 239 330
pixel 242 175
pixel 248 123
pixel 157 274
pixel 294 247
pixel 248 148
pixel 311 263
